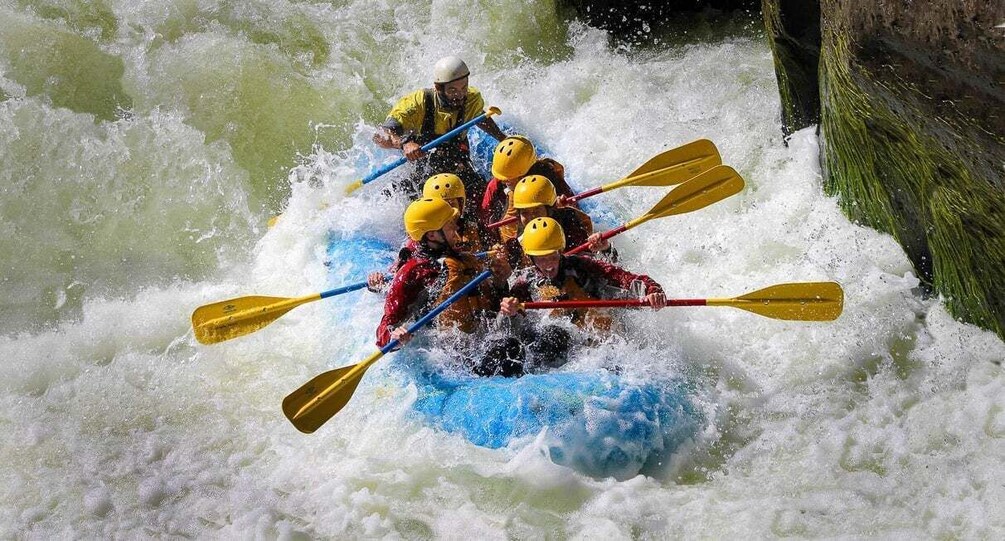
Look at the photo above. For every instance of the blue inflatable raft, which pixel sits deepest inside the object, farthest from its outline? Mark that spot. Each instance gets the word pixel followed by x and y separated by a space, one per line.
pixel 598 423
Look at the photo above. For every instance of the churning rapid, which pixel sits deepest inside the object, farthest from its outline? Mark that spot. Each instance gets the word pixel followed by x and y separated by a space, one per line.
pixel 144 145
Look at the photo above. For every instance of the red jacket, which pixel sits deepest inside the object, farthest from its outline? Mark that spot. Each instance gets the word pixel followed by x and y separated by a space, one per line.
pixel 425 281
pixel 410 282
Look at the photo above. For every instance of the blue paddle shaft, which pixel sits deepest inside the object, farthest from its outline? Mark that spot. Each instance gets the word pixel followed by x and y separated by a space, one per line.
pixel 347 289
pixel 361 285
pixel 427 147
pixel 443 306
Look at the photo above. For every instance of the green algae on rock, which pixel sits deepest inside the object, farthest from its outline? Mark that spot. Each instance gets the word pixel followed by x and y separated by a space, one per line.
pixel 913 140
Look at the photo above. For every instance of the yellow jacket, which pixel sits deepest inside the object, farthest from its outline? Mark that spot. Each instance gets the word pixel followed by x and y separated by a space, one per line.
pixel 411 110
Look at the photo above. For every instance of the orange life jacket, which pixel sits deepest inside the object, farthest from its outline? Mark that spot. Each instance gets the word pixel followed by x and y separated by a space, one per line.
pixel 595 319
pixel 465 313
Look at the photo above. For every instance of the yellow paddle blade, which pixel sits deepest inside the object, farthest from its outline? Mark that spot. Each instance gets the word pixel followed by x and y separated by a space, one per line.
pixel 354 186
pixel 807 301
pixel 220 321
pixel 274 220
pixel 674 166
pixel 701 191
pixel 674 174
pixel 326 394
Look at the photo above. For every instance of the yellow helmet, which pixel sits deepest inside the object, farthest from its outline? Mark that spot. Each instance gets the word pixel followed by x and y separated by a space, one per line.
pixel 427 214
pixel 542 236
pixel 444 186
pixel 534 191
pixel 513 157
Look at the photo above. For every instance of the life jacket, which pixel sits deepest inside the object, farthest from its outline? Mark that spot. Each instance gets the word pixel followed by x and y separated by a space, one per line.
pixel 471 234
pixel 573 286
pixel 465 313
pixel 509 231
pixel 449 152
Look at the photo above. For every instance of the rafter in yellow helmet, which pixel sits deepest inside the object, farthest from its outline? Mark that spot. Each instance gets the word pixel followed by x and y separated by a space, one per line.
pixel 534 191
pixel 427 214
pixel 513 157
pixel 444 186
pixel 542 236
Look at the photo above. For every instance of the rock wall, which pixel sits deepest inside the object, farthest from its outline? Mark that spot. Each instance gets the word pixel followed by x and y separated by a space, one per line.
pixel 793 29
pixel 912 124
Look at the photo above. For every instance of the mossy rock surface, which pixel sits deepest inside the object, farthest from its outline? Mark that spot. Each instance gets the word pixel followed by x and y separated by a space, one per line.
pixel 913 134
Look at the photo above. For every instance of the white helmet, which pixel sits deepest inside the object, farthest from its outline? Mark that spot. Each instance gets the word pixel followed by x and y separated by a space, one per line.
pixel 449 69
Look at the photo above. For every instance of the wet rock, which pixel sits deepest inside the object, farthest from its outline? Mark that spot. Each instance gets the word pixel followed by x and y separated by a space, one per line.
pixel 912 130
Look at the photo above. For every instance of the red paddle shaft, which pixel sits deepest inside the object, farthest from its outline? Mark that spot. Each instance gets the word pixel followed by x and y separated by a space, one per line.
pixel 605 235
pixel 612 303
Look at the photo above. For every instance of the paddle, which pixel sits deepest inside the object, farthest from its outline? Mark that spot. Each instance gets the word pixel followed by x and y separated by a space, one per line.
pixel 670 167
pixel 806 301
pixel 709 187
pixel 319 399
pixel 425 148
pixel 224 320
pixel 221 321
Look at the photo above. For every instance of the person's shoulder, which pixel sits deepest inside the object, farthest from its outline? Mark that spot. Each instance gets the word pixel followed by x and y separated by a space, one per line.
pixel 416 266
pixel 571 214
pixel 583 263
pixel 494 187
pixel 475 102
pixel 550 168
pixel 416 98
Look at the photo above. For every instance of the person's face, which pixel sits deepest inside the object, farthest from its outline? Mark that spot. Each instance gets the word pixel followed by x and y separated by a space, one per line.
pixel 451 235
pixel 435 239
pixel 457 203
pixel 455 91
pixel 448 235
pixel 526 215
pixel 547 264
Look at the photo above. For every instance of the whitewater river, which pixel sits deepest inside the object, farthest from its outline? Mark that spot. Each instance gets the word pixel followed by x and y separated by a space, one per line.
pixel 144 144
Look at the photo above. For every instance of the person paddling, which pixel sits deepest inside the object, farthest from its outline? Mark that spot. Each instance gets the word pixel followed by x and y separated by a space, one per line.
pixel 434 272
pixel 556 277
pixel 535 197
pixel 450 188
pixel 425 114
pixel 514 158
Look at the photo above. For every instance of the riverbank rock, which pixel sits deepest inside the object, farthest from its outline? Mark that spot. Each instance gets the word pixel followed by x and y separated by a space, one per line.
pixel 910 99
pixel 912 125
